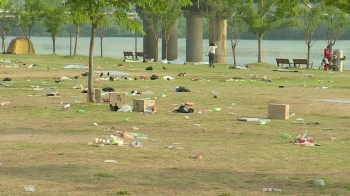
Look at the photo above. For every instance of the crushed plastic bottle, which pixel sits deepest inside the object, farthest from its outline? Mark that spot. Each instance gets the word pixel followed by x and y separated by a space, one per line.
pixel 262 122
pixel 81 111
pixel 271 190
pixel 29 188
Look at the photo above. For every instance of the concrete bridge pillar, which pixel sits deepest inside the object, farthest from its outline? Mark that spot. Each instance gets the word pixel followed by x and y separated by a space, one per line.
pixel 172 48
pixel 149 42
pixel 194 37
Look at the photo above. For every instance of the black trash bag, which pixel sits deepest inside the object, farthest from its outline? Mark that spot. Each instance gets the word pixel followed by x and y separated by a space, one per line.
pixel 184 109
pixel 114 108
pixel 111 78
pixel 154 77
pixel 7 79
pixel 108 89
pixel 149 68
pixel 182 89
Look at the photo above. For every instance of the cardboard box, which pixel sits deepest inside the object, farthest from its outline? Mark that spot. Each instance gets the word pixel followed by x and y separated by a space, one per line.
pixel 117 98
pixel 97 94
pixel 278 111
pixel 140 105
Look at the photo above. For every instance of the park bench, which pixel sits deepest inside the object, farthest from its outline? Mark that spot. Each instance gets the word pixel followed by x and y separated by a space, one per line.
pixel 128 55
pixel 282 61
pixel 298 62
pixel 140 54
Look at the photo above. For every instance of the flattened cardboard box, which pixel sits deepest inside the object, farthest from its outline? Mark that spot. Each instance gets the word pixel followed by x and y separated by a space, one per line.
pixel 116 98
pixel 140 105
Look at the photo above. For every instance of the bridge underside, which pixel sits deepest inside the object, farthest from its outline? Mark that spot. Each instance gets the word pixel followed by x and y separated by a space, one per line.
pixel 194 39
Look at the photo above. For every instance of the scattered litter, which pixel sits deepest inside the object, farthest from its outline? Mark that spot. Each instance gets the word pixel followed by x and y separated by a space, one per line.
pixel 135 128
pixel 136 144
pixel 305 141
pixel 81 111
pixel 253 119
pixel 327 129
pixel 175 147
pixel 184 109
pixel 110 161
pixel 299 119
pixel 95 124
pixel 333 138
pixel 324 87
pixel 287 136
pixel 29 188
pixel 75 67
pixel 182 89
pixel 64 78
pixel 125 108
pixel 66 106
pixel 52 94
pixel 271 190
pixel 319 182
pixel 262 122
pixel 139 135
pixel 196 125
pixel 0 164
pixel 313 123
pixel 196 156
pixel 186 116
pixel 5 103
pixel 232 113
pixel 292 114
pixel 334 100
pixel 285 70
pixel 217 109
pixel 188 103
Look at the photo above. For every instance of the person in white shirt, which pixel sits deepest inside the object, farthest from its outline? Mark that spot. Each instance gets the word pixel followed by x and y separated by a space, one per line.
pixel 211 53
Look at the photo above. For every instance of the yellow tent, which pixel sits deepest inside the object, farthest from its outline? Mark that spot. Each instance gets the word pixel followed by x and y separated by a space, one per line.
pixel 20 46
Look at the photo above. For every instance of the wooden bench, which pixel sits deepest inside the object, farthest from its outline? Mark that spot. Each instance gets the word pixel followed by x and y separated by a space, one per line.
pixel 298 62
pixel 128 55
pixel 140 54
pixel 282 61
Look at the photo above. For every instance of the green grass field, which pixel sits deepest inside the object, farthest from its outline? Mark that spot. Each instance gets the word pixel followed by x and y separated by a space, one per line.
pixel 45 146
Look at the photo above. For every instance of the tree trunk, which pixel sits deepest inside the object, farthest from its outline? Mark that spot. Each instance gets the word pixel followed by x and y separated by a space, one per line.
pixel 234 54
pixel 166 50
pixel 260 37
pixel 53 44
pixel 76 40
pixel 29 31
pixel 101 45
pixel 156 57
pixel 91 91
pixel 3 44
pixel 308 55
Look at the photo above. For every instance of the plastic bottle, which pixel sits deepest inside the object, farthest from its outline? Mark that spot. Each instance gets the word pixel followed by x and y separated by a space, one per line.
pixel 81 111
pixel 261 122
pixel 271 190
pixel 29 188
pixel 5 103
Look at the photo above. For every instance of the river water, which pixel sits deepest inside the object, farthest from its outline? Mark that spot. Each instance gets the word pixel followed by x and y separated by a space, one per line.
pixel 247 50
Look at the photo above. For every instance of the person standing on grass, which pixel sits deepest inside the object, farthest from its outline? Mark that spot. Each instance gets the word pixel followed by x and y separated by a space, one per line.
pixel 211 53
pixel 327 58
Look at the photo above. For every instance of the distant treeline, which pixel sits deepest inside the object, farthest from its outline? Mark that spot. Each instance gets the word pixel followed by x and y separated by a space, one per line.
pixel 118 31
